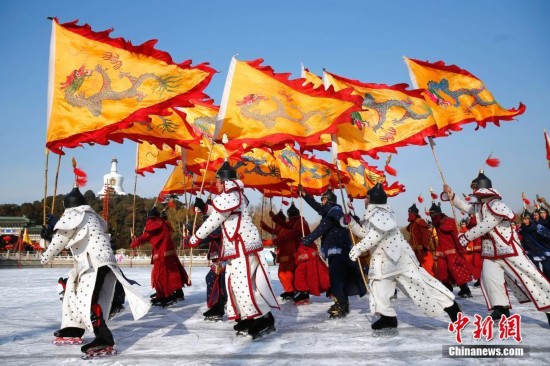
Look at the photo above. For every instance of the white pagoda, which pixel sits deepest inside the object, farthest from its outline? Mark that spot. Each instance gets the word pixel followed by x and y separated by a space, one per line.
pixel 113 180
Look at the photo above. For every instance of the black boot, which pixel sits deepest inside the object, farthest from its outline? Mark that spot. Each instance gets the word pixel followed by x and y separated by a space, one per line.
pixel 338 310
pixel 263 326
pixel 242 326
pixel 385 322
pixel 453 311
pixel 548 317
pixel 216 312
pixel 448 285
pixel 69 332
pixel 103 336
pixel 464 292
pixel 478 283
pixel 498 311
pixel 301 297
pixel 287 295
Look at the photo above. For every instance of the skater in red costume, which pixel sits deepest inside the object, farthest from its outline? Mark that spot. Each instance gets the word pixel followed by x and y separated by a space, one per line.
pixel 168 276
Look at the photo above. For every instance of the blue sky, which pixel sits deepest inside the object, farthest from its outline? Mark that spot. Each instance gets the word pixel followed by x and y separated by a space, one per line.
pixel 504 43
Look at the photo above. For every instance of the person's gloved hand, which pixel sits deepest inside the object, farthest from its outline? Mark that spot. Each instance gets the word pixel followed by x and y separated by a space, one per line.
pixel 46 233
pixel 346 219
pixel 462 240
pixel 354 253
pixel 199 203
pixel 194 241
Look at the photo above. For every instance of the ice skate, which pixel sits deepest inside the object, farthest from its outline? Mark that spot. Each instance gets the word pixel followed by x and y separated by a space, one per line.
pixel 214 314
pixel 464 292
pixel 99 352
pixel 386 326
pixel 498 311
pixel 115 310
pixel 262 327
pixel 338 310
pixel 287 296
pixel 68 336
pixel 453 311
pixel 242 327
pixel 301 298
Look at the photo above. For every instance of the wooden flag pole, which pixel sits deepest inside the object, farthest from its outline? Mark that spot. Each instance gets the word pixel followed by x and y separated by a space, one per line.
pixel 432 144
pixel 45 187
pixel 55 184
pixel 300 182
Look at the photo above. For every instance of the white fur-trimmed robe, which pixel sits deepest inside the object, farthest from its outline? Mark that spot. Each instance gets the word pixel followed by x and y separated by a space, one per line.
pixel 83 231
pixel 393 263
pixel 247 275
pixel 504 259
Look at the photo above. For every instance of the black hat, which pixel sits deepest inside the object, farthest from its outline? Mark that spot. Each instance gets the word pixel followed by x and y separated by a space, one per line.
pixel 226 172
pixel 413 209
pixel 525 214
pixel 292 211
pixel 74 199
pixel 436 209
pixel 331 197
pixel 377 195
pixel 481 182
pixel 154 212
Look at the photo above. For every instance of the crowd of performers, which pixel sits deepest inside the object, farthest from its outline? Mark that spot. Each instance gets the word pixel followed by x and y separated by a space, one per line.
pixel 487 249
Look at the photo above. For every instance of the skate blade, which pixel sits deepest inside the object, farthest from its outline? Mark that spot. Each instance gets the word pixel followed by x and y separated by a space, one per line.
pixel 61 341
pixel 264 334
pixel 213 319
pixel 385 333
pixel 104 352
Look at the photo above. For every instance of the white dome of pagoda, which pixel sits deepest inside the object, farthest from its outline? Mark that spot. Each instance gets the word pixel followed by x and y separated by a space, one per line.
pixel 112 180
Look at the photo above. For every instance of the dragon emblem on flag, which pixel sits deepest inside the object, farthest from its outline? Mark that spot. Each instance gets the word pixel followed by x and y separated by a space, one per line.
pixel 93 103
pixel 249 108
pixel 436 88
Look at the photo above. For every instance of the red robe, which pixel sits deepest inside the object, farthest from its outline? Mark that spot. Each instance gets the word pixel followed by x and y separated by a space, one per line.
pixel 168 274
pixel 451 266
pixel 420 239
pixel 473 250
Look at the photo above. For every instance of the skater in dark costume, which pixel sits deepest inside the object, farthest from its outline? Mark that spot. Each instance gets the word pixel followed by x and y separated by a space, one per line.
pixel 250 295
pixel 345 278
pixel 168 276
pixel 393 263
pixel 216 294
pixel 91 284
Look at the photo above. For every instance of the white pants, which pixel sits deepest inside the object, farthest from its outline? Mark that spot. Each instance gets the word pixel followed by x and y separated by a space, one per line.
pixel 521 269
pixel 429 294
pixel 249 288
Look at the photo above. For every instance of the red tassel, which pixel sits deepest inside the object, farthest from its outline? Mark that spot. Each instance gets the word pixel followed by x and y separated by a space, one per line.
pixel 492 162
pixel 420 199
pixel 285 203
pixel 467 198
pixel 390 170
pixel 427 213
pixel 171 203
pixel 434 195
pixel 526 201
pixel 80 176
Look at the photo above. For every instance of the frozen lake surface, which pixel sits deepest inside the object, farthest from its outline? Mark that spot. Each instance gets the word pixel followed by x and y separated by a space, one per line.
pixel 31 312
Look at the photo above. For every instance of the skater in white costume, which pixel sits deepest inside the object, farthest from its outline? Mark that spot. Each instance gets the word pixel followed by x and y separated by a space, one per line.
pixel 250 294
pixel 91 283
pixel 393 263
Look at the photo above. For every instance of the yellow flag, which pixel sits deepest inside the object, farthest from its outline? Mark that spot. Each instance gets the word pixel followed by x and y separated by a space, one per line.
pixel 315 175
pixel 98 85
pixel 170 130
pixel 392 117
pixel 179 183
pixel 456 96
pixel 311 78
pixel 262 108
pixel 150 157
pixel 363 177
pixel 202 116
